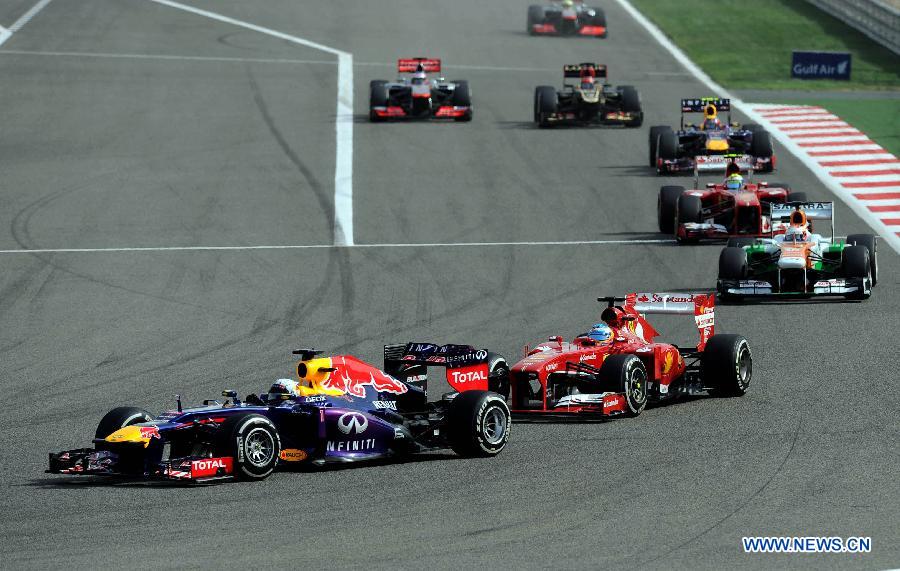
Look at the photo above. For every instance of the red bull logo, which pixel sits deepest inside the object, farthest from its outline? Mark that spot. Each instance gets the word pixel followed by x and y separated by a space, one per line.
pixel 352 376
pixel 149 432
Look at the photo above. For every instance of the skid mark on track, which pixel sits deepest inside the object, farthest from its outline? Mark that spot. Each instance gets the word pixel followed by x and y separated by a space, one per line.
pixel 740 507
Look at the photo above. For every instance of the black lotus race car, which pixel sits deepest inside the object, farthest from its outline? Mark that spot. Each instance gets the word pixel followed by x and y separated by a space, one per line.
pixel 418 96
pixel 337 409
pixel 566 19
pixel 588 101
pixel 704 147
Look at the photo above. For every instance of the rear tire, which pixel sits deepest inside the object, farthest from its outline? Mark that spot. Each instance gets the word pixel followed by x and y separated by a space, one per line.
pixel 726 365
pixel 478 424
pixel 666 206
pixel 733 263
pixel 120 417
pixel 253 441
pixel 631 103
pixel 655 132
pixel 626 374
pixel 867 241
pixel 761 146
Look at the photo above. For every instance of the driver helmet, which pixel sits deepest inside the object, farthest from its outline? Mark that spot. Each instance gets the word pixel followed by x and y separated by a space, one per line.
pixel 796 234
pixel 587 78
pixel 734 181
pixel 284 387
pixel 600 332
pixel 567 3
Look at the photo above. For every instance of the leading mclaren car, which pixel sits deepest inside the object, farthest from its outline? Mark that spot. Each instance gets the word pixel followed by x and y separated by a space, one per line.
pixel 418 96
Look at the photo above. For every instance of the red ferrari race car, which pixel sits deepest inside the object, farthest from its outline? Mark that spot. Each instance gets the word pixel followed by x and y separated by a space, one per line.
pixel 735 207
pixel 417 96
pixel 616 368
pixel 566 18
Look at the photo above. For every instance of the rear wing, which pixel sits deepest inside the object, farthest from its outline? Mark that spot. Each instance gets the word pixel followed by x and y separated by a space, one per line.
pixel 813 210
pixel 411 65
pixel 700 105
pixel 574 70
pixel 700 305
pixel 467 366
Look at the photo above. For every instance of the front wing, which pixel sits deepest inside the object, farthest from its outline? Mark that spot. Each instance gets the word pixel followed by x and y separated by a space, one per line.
pixel 709 231
pixel 829 287
pixel 92 462
pixel 714 164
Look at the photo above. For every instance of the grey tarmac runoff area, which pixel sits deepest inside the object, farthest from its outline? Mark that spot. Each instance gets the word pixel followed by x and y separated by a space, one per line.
pixel 226 137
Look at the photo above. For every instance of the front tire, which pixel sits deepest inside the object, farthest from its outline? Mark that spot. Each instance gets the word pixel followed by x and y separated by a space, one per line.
pixel 666 208
pixel 378 97
pixel 631 103
pixel 120 417
pixel 868 242
pixel 626 374
pixel 726 365
pixel 689 210
pixel 253 441
pixel 546 103
pixel 855 263
pixel 478 424
pixel 462 97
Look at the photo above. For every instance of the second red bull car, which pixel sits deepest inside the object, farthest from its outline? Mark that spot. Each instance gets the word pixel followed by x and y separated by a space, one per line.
pixel 617 367
pixel 337 409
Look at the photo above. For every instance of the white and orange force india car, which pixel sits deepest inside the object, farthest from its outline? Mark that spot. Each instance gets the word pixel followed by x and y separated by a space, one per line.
pixel 418 96
pixel 798 262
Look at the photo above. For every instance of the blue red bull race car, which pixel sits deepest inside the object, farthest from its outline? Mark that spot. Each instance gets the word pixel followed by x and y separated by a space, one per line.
pixel 338 409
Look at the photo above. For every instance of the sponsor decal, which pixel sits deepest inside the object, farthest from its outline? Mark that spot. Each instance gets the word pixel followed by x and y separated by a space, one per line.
pixel 210 467
pixel 385 404
pixel 552 367
pixel 423 348
pixel 293 455
pixel 353 423
pixel 149 432
pixel 416 378
pixel 588 357
pixel 350 445
pixel 821 65
pixel 611 402
pixel 474 377
pixel 398 434
pixel 353 376
pixel 314 399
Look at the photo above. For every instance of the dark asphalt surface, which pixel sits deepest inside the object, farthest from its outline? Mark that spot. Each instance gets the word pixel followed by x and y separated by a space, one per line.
pixel 131 152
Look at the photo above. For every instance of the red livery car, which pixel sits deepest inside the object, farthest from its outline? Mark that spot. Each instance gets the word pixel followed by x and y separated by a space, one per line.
pixel 617 368
pixel 731 208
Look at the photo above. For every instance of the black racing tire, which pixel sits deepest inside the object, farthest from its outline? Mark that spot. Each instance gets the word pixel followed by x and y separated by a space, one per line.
pixel 726 365
pixel 655 131
pixel 761 145
pixel 855 263
pixel 547 102
pixel 254 443
pixel 498 377
pixel 626 374
pixel 732 263
pixel 689 208
pixel 668 145
pixel 600 20
pixel 740 242
pixel 462 95
pixel 631 103
pixel 120 417
pixel 478 423
pixel 378 97
pixel 796 196
pixel 535 16
pixel 666 207
pixel 867 241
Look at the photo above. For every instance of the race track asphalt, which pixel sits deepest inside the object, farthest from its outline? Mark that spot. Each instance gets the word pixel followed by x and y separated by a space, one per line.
pixel 229 140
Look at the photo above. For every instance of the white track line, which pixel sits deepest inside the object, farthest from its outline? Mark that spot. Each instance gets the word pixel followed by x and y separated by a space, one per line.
pixel 343 164
pixel 330 246
pixel 7 33
pixel 777 113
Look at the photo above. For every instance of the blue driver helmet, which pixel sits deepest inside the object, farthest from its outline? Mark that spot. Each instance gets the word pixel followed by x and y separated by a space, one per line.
pixel 734 182
pixel 600 332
